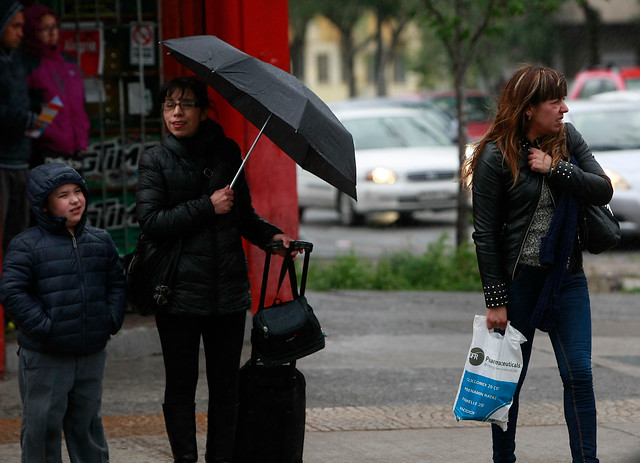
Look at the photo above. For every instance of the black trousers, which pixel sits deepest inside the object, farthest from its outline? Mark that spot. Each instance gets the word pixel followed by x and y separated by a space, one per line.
pixel 222 338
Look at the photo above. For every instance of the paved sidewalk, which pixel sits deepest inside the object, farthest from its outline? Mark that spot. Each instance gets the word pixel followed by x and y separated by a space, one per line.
pixel 382 389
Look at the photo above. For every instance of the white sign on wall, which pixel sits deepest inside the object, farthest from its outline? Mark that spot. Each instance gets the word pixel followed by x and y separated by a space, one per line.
pixel 142 43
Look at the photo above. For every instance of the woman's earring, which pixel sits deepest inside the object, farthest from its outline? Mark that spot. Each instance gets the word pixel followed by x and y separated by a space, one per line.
pixel 528 117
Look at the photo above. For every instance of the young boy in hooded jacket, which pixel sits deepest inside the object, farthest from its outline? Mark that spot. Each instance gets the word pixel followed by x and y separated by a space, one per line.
pixel 63 285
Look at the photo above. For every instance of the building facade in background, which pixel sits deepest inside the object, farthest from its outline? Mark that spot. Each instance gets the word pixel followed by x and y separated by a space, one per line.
pixel 616 36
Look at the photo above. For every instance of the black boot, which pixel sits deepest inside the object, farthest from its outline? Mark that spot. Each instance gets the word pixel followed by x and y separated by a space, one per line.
pixel 180 421
pixel 221 433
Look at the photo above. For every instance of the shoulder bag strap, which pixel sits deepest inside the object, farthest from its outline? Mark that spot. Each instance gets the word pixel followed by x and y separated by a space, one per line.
pixel 265 278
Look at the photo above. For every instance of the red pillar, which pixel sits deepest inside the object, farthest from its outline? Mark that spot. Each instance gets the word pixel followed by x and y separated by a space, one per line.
pixel 180 18
pixel 259 28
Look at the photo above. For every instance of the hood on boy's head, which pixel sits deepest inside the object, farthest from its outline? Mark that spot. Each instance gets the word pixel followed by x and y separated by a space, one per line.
pixel 45 178
pixel 8 9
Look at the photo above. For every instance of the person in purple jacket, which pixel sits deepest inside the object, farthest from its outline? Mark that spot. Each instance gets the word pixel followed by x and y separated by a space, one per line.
pixel 51 73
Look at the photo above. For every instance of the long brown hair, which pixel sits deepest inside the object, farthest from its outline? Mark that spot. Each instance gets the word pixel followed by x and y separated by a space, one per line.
pixel 528 86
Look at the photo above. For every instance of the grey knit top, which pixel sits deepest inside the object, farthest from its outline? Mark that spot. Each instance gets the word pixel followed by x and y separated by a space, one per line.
pixel 539 226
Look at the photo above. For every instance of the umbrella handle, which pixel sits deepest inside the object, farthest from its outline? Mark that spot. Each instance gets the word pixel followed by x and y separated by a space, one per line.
pixel 233 182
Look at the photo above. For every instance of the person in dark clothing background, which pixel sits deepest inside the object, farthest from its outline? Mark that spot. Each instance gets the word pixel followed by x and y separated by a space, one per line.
pixel 16 117
pixel 183 195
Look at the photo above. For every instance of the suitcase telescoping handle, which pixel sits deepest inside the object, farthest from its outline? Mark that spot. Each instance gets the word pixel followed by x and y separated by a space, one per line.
pixel 287 265
pixel 294 245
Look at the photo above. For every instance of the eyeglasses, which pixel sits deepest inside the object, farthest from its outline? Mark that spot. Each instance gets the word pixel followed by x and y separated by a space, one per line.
pixel 184 105
pixel 48 29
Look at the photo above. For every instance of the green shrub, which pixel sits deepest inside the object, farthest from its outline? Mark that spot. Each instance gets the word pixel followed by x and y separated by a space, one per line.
pixel 442 268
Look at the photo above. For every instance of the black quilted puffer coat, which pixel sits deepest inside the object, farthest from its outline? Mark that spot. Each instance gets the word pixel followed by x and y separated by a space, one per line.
pixel 173 205
pixel 66 292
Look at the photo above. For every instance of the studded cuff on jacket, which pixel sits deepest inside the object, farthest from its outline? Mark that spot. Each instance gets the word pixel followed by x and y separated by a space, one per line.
pixel 563 168
pixel 495 295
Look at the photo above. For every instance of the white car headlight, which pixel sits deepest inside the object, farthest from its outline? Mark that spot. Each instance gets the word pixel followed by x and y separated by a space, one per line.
pixel 381 175
pixel 617 181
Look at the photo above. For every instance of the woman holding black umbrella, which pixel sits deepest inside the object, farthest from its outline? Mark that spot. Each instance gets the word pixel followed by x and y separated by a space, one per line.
pixel 183 196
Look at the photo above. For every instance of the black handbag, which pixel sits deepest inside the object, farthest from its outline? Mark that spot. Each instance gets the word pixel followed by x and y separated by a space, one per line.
pixel 286 331
pixel 599 228
pixel 150 274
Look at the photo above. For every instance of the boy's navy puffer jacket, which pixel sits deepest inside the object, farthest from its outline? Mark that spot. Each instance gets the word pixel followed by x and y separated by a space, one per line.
pixel 66 292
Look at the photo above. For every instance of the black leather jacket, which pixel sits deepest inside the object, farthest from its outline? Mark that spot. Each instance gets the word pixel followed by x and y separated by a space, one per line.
pixel 502 213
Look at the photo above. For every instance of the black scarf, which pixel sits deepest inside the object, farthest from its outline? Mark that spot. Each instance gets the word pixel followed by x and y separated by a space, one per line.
pixel 555 251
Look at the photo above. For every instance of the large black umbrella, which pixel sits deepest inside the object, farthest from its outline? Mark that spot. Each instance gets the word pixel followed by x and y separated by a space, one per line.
pixel 277 103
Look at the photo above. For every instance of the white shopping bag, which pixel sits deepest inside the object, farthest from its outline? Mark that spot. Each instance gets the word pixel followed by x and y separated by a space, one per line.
pixel 490 375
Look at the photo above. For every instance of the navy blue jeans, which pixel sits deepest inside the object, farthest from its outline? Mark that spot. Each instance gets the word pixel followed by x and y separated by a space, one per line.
pixel 61 392
pixel 571 340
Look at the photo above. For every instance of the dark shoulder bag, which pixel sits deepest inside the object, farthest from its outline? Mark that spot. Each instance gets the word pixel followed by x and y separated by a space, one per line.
pixel 151 274
pixel 598 228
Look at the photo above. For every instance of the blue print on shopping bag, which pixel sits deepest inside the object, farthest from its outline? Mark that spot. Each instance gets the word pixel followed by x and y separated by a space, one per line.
pixel 481 397
pixel 491 374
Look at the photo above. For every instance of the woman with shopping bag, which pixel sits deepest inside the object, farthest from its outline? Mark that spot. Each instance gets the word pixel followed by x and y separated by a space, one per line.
pixel 526 201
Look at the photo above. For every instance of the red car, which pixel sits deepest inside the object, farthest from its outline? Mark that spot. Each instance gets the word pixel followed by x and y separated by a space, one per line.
pixel 588 83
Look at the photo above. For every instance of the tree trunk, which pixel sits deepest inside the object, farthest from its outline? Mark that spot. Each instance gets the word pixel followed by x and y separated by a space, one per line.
pixel 381 83
pixel 348 53
pixel 593 31
pixel 462 221
pixel 297 58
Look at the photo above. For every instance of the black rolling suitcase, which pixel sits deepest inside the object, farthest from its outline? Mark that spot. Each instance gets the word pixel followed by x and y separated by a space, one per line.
pixel 272 411
pixel 271 416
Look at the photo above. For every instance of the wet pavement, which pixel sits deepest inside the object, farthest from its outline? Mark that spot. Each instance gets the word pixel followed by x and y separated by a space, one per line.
pixel 383 388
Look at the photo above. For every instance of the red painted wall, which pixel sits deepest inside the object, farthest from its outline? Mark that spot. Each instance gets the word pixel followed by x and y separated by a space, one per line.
pixel 259 28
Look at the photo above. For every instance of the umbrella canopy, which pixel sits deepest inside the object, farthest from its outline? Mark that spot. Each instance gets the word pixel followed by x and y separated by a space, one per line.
pixel 273 100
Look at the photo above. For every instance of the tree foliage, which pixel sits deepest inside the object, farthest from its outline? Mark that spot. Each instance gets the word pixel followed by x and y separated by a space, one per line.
pixel 460 25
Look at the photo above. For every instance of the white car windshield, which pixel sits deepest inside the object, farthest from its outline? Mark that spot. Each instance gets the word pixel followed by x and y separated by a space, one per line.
pixel 609 130
pixel 394 132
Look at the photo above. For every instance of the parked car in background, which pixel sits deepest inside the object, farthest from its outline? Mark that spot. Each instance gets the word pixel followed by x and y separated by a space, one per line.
pixel 403 164
pixel 594 81
pixel 439 119
pixel 612 131
pixel 618 95
pixel 479 112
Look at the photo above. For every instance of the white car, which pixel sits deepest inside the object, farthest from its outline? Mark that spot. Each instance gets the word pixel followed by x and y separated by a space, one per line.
pixel 403 164
pixel 612 131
